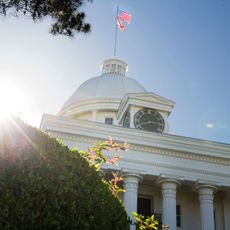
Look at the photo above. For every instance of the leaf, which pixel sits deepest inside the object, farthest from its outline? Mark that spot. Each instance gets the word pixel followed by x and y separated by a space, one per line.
pixel 135 214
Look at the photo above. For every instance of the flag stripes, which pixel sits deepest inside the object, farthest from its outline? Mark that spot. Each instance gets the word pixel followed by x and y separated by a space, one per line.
pixel 124 16
pixel 120 24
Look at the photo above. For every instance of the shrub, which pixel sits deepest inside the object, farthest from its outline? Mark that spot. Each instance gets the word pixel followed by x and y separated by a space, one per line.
pixel 45 185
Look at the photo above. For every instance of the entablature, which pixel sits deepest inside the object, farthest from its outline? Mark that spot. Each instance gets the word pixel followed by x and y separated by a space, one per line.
pixel 149 152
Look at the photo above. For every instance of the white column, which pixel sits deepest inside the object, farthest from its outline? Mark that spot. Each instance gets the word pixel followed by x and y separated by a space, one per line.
pixel 132 114
pixel 131 182
pixel 169 202
pixel 206 206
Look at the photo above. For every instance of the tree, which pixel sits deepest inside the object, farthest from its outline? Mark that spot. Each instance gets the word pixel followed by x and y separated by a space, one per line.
pixel 45 185
pixel 66 13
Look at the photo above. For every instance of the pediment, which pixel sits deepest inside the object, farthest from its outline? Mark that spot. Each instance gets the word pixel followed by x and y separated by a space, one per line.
pixel 148 100
pixel 150 97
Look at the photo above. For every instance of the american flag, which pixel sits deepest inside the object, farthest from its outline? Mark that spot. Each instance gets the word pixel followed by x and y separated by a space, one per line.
pixel 120 24
pixel 124 16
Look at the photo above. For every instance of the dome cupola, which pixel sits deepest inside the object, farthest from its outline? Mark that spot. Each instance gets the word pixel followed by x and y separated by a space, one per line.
pixel 114 66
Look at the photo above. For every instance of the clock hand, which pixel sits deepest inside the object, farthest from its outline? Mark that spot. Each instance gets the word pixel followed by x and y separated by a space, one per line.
pixel 148 122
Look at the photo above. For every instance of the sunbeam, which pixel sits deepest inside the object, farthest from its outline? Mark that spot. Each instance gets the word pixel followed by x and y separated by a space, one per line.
pixel 13 99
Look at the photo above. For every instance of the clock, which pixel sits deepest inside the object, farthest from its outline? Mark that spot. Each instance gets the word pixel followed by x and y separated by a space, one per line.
pixel 149 120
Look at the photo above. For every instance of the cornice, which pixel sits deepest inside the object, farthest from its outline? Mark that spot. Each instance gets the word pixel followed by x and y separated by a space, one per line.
pixel 148 149
pixel 70 137
pixel 181 154
pixel 160 99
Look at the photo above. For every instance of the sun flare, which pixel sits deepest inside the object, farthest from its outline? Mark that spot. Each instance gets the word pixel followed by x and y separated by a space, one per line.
pixel 13 100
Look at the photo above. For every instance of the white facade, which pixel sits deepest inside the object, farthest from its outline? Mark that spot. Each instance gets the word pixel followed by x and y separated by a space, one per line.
pixel 185 181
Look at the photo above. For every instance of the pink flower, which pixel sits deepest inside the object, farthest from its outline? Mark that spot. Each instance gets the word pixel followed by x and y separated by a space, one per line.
pixel 114 160
pixel 91 155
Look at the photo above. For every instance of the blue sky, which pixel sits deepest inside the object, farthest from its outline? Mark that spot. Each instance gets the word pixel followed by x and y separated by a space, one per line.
pixel 175 48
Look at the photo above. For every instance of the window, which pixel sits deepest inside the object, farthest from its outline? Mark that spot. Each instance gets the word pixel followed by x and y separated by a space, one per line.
pixel 178 216
pixel 108 120
pixel 145 207
pixel 113 69
pixel 119 69
pixel 107 68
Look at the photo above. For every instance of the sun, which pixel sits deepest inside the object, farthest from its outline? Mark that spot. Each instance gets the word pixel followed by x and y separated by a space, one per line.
pixel 13 100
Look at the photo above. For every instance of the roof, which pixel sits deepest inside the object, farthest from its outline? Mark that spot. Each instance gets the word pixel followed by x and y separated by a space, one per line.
pixel 105 86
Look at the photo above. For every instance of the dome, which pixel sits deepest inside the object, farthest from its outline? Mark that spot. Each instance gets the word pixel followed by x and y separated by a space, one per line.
pixel 112 84
pixel 105 86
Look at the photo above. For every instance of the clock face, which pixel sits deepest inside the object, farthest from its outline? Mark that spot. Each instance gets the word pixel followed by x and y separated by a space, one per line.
pixel 149 120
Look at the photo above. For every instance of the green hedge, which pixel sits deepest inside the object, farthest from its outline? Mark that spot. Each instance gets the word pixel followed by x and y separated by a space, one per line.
pixel 45 185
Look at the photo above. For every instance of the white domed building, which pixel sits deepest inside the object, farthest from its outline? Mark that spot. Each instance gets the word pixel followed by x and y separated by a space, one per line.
pixel 184 181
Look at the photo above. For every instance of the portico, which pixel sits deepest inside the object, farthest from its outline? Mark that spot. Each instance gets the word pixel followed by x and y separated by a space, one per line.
pixel 196 207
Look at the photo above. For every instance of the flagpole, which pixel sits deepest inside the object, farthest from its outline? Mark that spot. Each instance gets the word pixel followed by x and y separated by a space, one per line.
pixel 115 40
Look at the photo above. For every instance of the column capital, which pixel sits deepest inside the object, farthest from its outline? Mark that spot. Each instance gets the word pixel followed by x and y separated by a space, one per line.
pixel 131 181
pixel 173 180
pixel 132 176
pixel 201 185
pixel 206 192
